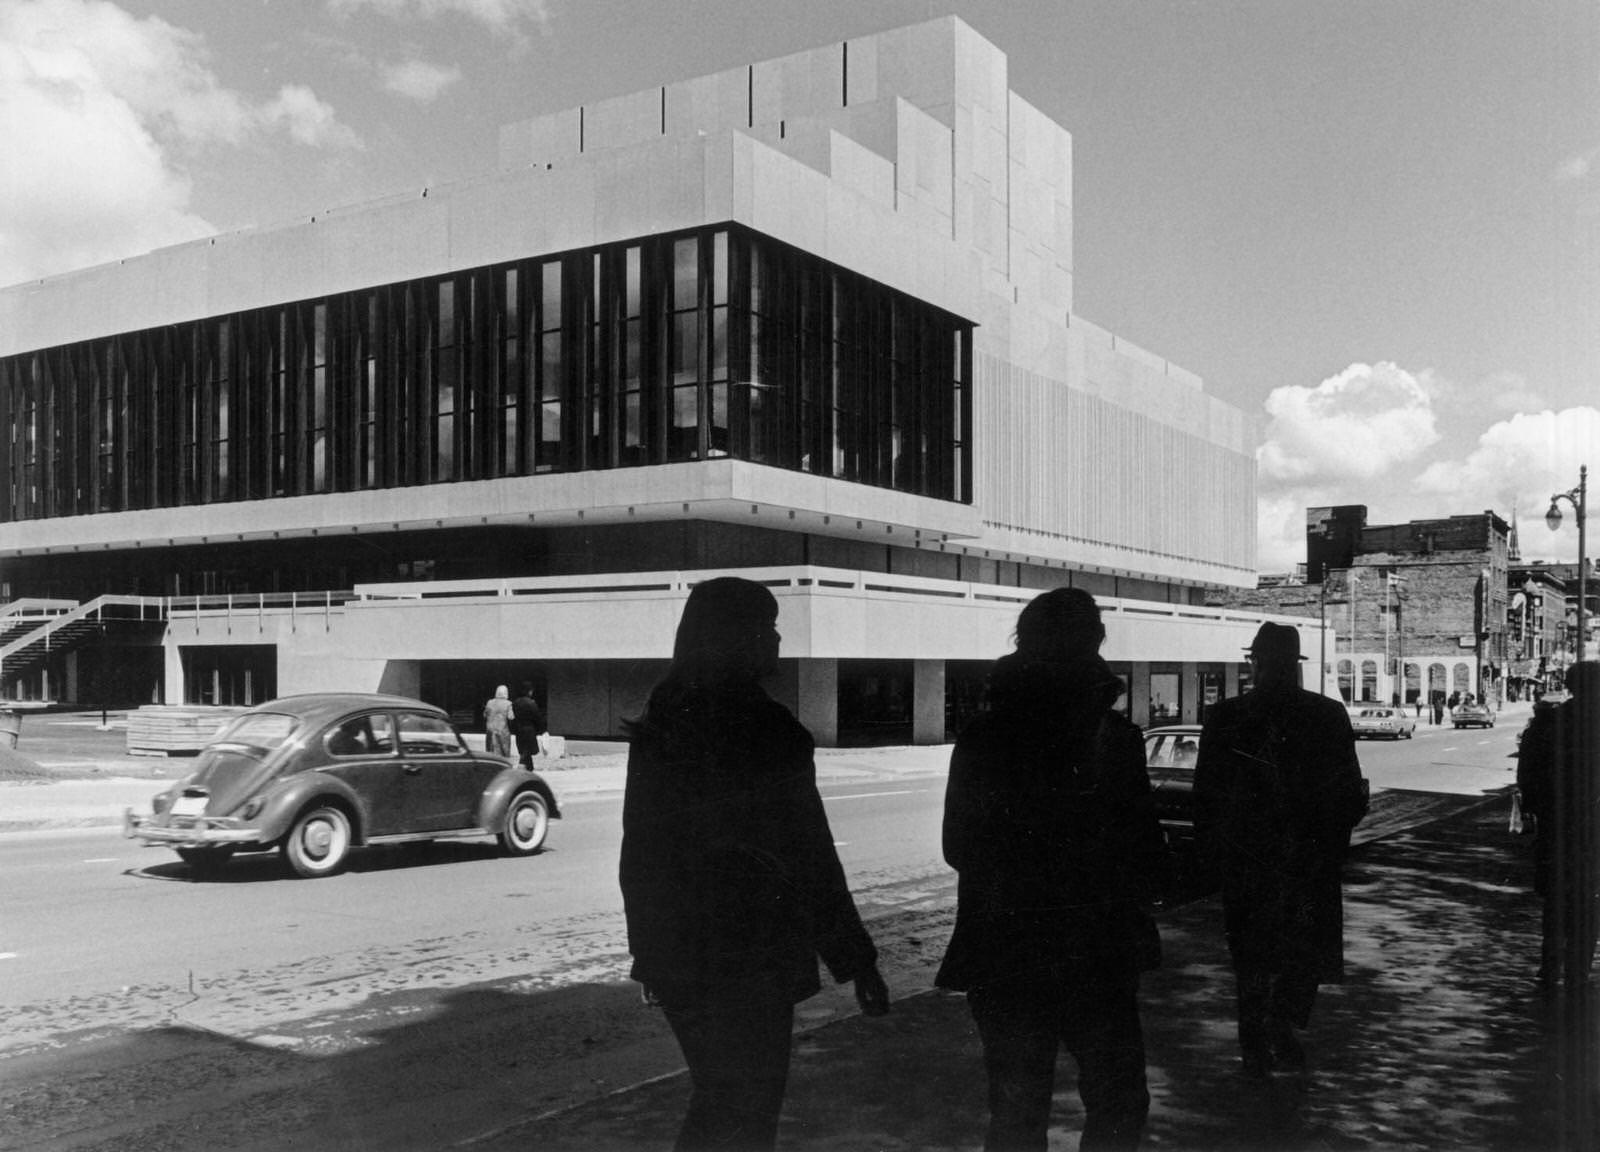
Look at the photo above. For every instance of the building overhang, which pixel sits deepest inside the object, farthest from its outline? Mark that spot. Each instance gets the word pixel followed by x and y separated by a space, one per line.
pixel 727 490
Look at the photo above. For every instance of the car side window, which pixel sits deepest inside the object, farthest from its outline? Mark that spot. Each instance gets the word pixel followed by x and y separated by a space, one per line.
pixel 1159 752
pixel 422 735
pixel 361 736
pixel 1185 751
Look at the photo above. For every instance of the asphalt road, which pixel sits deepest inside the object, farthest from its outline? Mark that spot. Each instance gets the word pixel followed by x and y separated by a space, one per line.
pixel 377 1009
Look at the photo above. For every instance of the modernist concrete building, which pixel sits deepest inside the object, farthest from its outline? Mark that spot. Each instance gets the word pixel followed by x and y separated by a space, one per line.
pixel 810 320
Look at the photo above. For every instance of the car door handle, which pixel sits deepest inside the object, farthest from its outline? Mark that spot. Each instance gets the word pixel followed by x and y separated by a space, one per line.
pixel 412 769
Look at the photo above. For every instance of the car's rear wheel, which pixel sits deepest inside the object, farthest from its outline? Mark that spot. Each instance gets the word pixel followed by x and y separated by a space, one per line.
pixel 319 842
pixel 205 861
pixel 527 824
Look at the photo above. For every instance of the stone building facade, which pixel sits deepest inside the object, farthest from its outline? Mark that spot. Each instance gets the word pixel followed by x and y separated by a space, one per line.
pixel 1415 608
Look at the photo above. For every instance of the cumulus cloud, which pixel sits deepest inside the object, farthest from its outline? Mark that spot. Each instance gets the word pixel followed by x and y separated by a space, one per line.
pixel 419 80
pixel 100 112
pixel 498 15
pixel 1520 462
pixel 309 121
pixel 1357 425
pixel 1577 166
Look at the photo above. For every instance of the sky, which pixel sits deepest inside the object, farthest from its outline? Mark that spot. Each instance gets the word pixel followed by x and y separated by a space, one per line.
pixel 1372 225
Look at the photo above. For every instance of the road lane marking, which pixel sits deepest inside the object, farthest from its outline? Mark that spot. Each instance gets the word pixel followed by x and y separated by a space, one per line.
pixel 869 795
pixel 8 955
pixel 102 860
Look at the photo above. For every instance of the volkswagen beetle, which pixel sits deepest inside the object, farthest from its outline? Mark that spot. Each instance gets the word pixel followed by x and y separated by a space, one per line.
pixel 314 776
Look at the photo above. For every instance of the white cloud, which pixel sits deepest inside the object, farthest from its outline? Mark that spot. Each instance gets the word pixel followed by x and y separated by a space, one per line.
pixel 498 15
pixel 1522 461
pixel 309 120
pixel 1577 166
pixel 1357 425
pixel 100 112
pixel 419 80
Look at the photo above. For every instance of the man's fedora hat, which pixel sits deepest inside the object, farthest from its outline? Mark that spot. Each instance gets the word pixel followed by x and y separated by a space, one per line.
pixel 1278 640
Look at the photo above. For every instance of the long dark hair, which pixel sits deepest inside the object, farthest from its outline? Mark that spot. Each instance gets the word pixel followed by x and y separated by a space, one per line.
pixel 1056 674
pixel 723 647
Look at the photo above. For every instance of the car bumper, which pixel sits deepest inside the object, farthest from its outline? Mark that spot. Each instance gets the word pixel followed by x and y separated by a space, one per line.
pixel 194 832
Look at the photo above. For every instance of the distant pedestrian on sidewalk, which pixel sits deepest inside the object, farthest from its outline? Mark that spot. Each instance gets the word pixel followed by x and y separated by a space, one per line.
pixel 497 722
pixel 1050 823
pixel 1277 790
pixel 730 880
pixel 527 724
pixel 1556 759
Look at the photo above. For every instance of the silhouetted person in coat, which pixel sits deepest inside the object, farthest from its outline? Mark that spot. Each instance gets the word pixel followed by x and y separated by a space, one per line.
pixel 1557 759
pixel 1277 790
pixel 527 725
pixel 1050 822
pixel 730 880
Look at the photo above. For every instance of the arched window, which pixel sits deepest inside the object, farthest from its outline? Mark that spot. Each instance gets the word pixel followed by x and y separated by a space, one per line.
pixel 1461 680
pixel 1347 687
pixel 1369 680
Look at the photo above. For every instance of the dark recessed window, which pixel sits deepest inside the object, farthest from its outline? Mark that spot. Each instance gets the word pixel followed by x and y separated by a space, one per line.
pixel 689 346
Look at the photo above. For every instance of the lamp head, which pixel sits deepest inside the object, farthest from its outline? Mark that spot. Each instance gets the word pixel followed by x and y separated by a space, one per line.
pixel 1552 518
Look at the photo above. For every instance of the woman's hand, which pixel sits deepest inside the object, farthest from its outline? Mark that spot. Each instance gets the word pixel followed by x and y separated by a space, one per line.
pixel 872 993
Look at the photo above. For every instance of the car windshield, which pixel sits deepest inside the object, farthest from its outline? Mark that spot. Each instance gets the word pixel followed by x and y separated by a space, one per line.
pixel 263 730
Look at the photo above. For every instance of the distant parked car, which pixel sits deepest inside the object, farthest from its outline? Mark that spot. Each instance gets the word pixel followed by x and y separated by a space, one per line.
pixel 1472 715
pixel 314 776
pixel 1169 754
pixel 1379 721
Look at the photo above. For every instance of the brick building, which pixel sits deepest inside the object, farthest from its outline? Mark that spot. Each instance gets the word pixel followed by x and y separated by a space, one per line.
pixel 1536 643
pixel 1415 608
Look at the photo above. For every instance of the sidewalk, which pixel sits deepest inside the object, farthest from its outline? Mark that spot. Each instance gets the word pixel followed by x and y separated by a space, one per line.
pixel 1438 1040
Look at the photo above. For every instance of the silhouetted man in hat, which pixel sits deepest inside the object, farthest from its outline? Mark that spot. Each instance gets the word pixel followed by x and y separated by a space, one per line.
pixel 1277 791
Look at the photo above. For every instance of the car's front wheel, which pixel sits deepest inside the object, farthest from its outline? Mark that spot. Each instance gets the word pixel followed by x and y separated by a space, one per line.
pixel 527 824
pixel 319 842
pixel 205 861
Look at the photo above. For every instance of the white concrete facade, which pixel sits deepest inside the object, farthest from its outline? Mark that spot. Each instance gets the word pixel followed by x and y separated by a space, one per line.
pixel 904 157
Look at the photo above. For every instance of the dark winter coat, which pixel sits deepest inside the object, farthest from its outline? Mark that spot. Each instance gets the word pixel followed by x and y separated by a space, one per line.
pixel 1555 775
pixel 1050 823
pixel 1277 790
pixel 728 868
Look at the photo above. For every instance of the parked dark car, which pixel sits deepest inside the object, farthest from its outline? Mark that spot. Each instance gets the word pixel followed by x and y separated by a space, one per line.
pixel 314 776
pixel 1169 754
pixel 1472 715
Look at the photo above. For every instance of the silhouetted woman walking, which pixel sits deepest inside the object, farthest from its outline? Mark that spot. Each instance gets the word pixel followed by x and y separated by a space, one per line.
pixel 1050 823
pixel 729 876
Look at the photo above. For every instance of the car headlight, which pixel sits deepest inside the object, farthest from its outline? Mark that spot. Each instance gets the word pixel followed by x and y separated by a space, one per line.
pixel 252 808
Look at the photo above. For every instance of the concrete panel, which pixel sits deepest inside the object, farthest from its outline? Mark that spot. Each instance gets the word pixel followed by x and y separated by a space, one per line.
pixel 918 64
pixel 709 104
pixel 622 121
pixel 927 702
pixel 549 139
pixel 861 61
pixel 817 699
pixel 650 190
pixel 861 171
pixel 789 200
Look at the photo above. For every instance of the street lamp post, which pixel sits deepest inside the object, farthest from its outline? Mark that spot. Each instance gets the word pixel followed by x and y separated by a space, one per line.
pixel 1578 498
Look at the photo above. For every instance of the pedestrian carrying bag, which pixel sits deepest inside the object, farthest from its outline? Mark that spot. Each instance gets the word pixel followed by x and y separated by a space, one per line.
pixel 1522 823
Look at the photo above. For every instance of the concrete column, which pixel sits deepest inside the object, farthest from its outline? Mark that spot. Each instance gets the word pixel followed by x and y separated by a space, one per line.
pixel 927 702
pixel 816 698
pixel 172 687
pixel 1189 691
pixel 1139 693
